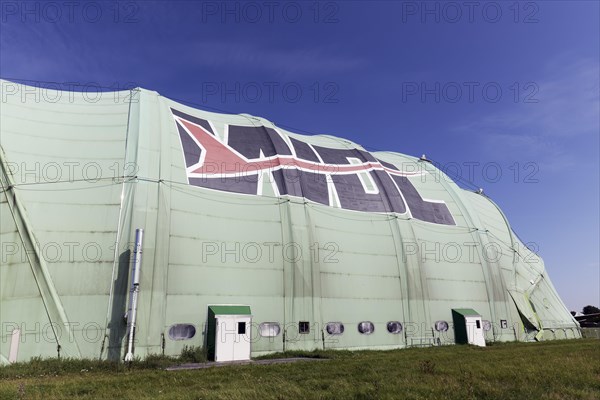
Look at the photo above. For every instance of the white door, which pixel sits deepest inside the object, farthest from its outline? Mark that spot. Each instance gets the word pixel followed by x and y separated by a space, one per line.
pixel 241 346
pixel 475 333
pixel 232 341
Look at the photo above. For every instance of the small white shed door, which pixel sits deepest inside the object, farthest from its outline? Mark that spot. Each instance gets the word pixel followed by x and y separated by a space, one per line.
pixel 232 338
pixel 475 333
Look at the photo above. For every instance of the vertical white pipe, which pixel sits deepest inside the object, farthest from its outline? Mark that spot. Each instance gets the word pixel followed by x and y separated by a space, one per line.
pixel 14 346
pixel 135 289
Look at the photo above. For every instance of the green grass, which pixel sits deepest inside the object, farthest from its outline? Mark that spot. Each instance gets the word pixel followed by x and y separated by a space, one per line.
pixel 548 370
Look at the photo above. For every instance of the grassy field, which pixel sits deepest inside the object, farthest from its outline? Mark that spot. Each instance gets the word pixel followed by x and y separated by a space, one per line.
pixel 548 370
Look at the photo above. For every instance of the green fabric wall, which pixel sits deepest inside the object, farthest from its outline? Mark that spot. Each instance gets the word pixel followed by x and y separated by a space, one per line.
pixel 132 139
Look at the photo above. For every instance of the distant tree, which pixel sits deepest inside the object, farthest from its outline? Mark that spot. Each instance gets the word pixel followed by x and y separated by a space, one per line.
pixel 573 313
pixel 590 310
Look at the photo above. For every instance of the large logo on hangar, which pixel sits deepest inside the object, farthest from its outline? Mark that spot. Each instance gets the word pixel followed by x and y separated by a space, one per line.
pixel 258 160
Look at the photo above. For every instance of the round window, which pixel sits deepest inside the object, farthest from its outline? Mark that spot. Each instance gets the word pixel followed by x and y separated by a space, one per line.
pixel 335 328
pixel 441 326
pixel 269 329
pixel 487 325
pixel 394 327
pixel 182 331
pixel 366 327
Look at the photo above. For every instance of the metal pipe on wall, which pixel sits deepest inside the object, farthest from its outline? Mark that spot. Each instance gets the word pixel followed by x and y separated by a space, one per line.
pixel 135 289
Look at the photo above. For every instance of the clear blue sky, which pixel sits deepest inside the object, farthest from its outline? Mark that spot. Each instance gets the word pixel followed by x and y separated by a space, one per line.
pixel 502 84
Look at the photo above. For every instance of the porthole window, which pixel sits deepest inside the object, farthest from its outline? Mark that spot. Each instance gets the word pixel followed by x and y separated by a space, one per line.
pixel 487 325
pixel 366 327
pixel 269 329
pixel 182 331
pixel 335 328
pixel 441 326
pixel 394 327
